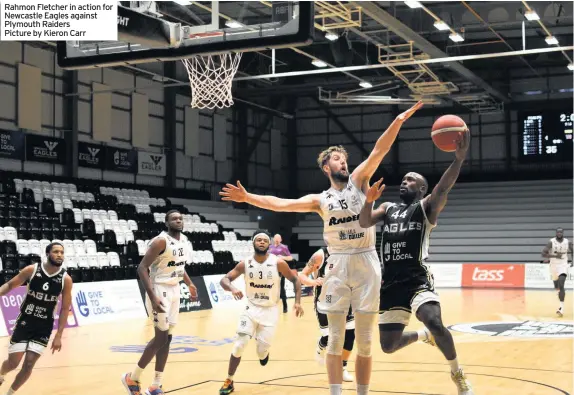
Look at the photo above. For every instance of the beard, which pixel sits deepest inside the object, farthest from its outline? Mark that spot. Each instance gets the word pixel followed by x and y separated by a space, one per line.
pixel 261 252
pixel 53 262
pixel 408 196
pixel 340 177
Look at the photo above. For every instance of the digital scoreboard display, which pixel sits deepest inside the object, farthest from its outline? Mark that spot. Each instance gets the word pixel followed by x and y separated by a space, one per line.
pixel 546 135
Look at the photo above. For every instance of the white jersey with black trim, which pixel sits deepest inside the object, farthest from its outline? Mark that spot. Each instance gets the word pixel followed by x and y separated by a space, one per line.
pixel 262 281
pixel 169 267
pixel 559 248
pixel 340 212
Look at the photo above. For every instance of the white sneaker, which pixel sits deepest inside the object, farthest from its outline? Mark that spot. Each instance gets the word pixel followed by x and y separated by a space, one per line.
pixel 462 383
pixel 320 356
pixel 347 376
pixel 559 312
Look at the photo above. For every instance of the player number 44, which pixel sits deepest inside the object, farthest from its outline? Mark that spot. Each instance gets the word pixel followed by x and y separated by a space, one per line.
pixel 396 215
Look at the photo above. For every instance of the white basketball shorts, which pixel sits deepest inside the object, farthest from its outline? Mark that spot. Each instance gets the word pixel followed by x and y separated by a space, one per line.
pixel 556 269
pixel 169 295
pixel 259 322
pixel 353 279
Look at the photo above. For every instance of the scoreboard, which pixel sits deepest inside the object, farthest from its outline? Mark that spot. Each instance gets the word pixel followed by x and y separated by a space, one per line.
pixel 545 136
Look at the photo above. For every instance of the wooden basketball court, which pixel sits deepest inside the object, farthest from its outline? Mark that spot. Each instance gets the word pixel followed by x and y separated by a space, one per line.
pixel 93 358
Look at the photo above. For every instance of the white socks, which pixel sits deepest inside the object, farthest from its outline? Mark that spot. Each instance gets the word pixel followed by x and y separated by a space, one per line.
pixel 230 377
pixel 137 373
pixel 562 305
pixel 335 389
pixel 10 391
pixel 362 389
pixel 422 335
pixel 454 366
pixel 157 379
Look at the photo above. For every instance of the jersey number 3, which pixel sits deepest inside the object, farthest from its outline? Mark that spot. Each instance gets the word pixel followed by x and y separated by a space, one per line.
pixel 260 275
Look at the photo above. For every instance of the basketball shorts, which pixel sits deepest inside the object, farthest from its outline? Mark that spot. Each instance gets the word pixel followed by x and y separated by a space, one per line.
pixel 169 295
pixel 259 322
pixel 30 336
pixel 401 299
pixel 353 280
pixel 324 322
pixel 557 269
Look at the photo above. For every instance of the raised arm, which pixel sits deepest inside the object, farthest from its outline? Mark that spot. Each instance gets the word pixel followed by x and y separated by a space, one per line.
pixel 225 282
pixel 368 217
pixel 436 201
pixel 284 269
pixel 311 267
pixel 156 247
pixel 365 170
pixel 18 280
pixel 238 193
pixel 64 312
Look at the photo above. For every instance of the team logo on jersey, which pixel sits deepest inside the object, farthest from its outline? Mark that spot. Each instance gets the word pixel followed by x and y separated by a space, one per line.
pixel 354 200
pixel 518 329
pixel 350 234
pixel 269 276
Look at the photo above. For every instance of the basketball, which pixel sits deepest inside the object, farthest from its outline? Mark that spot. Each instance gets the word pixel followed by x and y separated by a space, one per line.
pixel 445 132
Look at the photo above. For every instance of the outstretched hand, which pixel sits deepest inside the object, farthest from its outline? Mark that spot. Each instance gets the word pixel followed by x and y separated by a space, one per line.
pixel 375 191
pixel 462 144
pixel 233 193
pixel 407 114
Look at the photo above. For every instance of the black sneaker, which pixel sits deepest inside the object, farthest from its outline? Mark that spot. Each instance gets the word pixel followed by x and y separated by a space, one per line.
pixel 263 362
pixel 227 387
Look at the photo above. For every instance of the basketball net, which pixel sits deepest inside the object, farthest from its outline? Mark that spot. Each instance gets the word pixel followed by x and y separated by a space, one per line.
pixel 210 77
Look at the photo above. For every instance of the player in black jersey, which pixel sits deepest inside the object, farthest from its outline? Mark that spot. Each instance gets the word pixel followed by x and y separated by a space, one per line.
pixel 46 281
pixel 407 283
pixel 318 266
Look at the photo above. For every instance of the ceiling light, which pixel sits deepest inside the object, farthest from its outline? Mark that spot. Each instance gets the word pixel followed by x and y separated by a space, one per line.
pixel 551 40
pixel 182 2
pixel 571 66
pixel 531 15
pixel 365 84
pixel 413 4
pixel 456 37
pixel 318 63
pixel 331 36
pixel 233 24
pixel 440 25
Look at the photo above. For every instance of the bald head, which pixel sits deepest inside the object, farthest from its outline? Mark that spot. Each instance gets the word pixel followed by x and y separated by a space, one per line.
pixel 277 239
pixel 413 187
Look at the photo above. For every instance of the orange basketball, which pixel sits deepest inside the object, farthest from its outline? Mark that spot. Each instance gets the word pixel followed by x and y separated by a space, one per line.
pixel 445 131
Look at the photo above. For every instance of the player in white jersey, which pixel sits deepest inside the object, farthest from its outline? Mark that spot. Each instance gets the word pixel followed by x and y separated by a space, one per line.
pixel 557 251
pixel 262 288
pixel 160 271
pixel 355 279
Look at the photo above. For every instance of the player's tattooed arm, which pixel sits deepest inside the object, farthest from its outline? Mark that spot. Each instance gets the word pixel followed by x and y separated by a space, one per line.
pixel 155 249
pixel 24 275
pixel 225 282
pixel 311 267
pixel 435 202
pixel 64 312
pixel 367 168
pixel 238 193
pixel 284 269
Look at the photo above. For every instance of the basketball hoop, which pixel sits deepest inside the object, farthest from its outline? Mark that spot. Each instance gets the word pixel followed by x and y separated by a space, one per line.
pixel 210 78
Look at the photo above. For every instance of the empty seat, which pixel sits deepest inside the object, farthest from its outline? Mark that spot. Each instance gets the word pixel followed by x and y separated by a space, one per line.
pixel 10 234
pixel 90 246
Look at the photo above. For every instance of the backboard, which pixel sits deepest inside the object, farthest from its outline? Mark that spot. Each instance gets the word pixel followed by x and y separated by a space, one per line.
pixel 151 31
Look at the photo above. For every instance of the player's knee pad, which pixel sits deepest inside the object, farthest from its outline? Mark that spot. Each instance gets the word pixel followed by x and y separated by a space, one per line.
pixel 239 345
pixel 364 333
pixel 336 334
pixel 349 339
pixel 262 350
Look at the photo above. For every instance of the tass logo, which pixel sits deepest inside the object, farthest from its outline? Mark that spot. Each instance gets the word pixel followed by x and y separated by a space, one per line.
pixel 492 275
pixel 488 275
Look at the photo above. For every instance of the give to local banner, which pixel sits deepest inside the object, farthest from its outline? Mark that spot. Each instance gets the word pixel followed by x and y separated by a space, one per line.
pixel 120 159
pixel 91 155
pixel 11 144
pixel 152 164
pixel 45 149
pixel 107 301
pixel 10 304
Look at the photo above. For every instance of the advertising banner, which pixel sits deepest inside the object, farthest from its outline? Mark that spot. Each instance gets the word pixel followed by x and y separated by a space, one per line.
pixel 90 155
pixel 202 303
pixel 152 164
pixel 493 275
pixel 11 144
pixel 45 149
pixel 220 297
pixel 446 275
pixel 120 159
pixel 107 301
pixel 538 276
pixel 10 304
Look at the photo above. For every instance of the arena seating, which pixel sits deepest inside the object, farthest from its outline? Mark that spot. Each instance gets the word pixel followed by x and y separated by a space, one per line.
pixel 105 231
pixel 486 221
